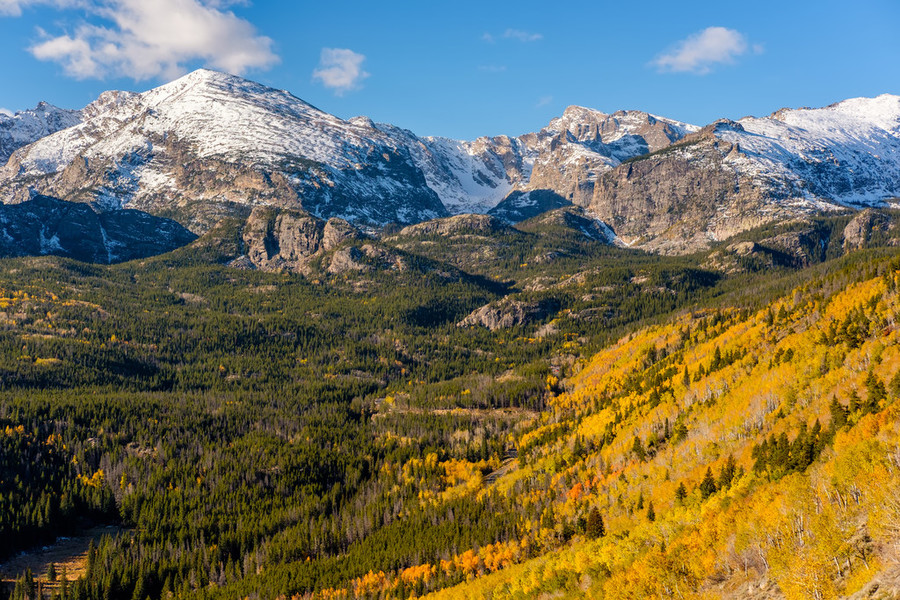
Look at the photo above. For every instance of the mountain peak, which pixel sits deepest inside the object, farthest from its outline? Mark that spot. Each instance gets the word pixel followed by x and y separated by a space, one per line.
pixel 575 111
pixel 27 126
pixel 204 74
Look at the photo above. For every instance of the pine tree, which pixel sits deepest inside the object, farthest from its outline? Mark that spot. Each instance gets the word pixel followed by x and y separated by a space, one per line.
pixel 726 475
pixel 595 528
pixel 30 587
pixel 894 385
pixel 638 448
pixel 875 392
pixel 651 514
pixel 716 363
pixel 680 492
pixel 838 414
pixel 708 485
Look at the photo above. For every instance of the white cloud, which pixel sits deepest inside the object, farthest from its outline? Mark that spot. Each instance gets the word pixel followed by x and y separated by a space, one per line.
pixel 522 36
pixel 543 101
pixel 13 8
pixel 144 39
pixel 340 69
pixel 6 112
pixel 700 51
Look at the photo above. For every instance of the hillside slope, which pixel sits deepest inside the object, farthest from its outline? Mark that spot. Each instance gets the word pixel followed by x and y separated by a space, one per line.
pixel 766 446
pixel 726 454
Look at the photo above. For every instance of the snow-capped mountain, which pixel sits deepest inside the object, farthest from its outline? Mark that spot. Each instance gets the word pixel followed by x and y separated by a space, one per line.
pixel 847 153
pixel 216 138
pixel 731 176
pixel 211 144
pixel 28 126
pixel 565 157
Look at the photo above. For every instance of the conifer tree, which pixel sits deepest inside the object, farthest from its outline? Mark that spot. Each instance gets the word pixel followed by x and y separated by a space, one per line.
pixel 680 492
pixel 708 485
pixel 595 527
pixel 838 414
pixel 638 448
pixel 726 476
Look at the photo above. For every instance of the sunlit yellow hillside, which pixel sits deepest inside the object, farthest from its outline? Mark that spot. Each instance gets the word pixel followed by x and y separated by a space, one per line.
pixel 730 454
pixel 727 454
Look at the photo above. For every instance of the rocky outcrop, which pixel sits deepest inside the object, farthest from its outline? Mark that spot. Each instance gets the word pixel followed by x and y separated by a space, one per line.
pixel 802 247
pixel 571 220
pixel 508 313
pixel 47 226
pixel 366 258
pixel 870 226
pixel 276 240
pixel 681 199
pixel 457 225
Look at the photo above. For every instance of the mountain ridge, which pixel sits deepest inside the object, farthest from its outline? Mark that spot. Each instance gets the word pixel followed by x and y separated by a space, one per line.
pixel 197 147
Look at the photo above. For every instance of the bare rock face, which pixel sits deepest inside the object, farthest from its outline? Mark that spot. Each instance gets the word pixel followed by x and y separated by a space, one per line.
pixel 508 313
pixel 277 240
pixel 336 232
pixel 583 144
pixel 681 199
pixel 347 259
pixel 460 224
pixel 867 226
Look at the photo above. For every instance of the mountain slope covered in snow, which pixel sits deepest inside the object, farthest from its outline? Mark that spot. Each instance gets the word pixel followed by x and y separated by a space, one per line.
pixel 847 153
pixel 211 144
pixel 28 126
pixel 216 138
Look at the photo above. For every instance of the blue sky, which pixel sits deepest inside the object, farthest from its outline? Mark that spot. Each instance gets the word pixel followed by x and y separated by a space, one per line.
pixel 464 68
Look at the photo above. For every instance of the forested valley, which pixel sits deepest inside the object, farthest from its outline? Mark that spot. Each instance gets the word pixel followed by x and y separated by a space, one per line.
pixel 658 429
